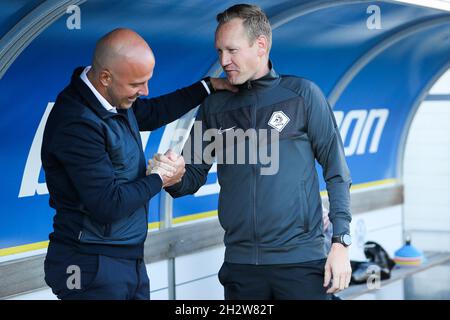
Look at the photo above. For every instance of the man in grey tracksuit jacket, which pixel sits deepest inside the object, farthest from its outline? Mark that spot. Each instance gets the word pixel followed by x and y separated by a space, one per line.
pixel 273 222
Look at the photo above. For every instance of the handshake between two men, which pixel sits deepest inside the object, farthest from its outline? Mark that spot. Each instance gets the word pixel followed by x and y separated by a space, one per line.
pixel 169 166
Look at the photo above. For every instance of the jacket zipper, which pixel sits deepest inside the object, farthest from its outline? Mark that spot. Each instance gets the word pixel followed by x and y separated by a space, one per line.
pixel 253 109
pixel 128 124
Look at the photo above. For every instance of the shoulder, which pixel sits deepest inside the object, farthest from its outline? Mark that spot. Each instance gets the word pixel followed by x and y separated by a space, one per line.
pixel 215 102
pixel 301 86
pixel 71 111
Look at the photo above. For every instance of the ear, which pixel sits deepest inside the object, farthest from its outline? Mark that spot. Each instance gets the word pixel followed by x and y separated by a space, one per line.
pixel 263 45
pixel 105 77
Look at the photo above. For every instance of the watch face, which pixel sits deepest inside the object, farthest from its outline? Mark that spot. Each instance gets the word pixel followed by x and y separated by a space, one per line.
pixel 347 239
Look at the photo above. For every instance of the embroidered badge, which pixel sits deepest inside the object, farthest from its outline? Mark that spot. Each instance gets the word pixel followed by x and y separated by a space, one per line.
pixel 278 120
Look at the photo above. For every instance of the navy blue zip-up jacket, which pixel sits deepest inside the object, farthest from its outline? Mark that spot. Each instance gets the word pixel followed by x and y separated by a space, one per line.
pixel 95 167
pixel 273 218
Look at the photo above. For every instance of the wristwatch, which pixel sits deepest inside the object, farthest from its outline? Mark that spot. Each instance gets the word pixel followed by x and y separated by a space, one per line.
pixel 343 239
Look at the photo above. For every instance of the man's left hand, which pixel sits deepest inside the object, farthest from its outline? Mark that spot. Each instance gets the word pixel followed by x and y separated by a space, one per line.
pixel 169 162
pixel 222 84
pixel 337 269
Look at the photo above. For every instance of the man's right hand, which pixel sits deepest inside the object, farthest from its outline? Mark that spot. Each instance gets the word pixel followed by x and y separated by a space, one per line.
pixel 169 166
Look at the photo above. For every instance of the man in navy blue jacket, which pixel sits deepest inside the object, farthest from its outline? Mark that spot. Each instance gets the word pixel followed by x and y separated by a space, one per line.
pixel 96 170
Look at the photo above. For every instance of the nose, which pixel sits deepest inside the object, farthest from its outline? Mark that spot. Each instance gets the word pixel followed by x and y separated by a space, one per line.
pixel 143 90
pixel 224 59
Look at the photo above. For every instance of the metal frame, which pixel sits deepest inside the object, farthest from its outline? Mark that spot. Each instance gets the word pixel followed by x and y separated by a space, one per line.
pixel 437 97
pixel 397 35
pixel 429 4
pixel 415 107
pixel 307 8
pixel 28 28
pixel 406 130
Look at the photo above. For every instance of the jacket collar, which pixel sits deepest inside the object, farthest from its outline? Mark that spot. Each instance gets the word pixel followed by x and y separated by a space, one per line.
pixel 271 79
pixel 87 94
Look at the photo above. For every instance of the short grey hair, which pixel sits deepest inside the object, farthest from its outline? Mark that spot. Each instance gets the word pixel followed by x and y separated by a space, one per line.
pixel 253 18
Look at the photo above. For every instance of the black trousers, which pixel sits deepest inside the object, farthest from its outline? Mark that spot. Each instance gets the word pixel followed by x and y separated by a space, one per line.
pixel 300 281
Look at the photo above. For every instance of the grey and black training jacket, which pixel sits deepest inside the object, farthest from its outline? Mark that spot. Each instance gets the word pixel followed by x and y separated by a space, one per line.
pixel 273 218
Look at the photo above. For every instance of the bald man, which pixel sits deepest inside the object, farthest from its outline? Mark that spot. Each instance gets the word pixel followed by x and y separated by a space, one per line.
pixel 95 169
